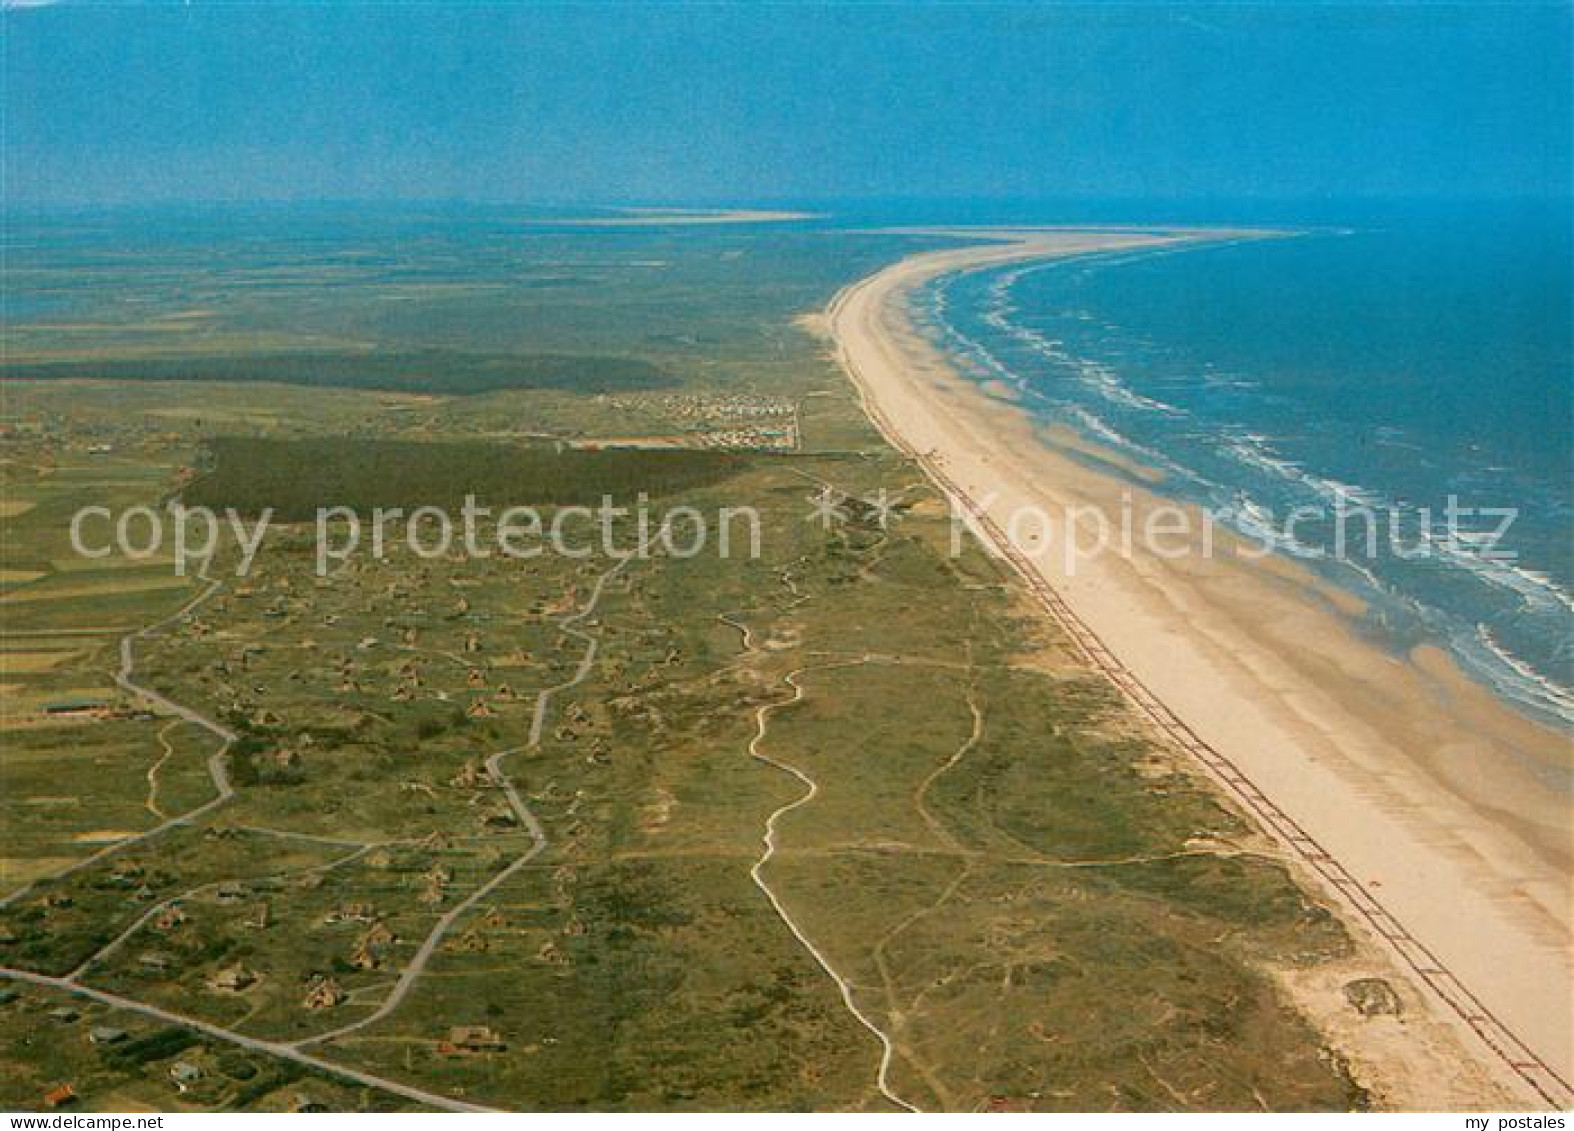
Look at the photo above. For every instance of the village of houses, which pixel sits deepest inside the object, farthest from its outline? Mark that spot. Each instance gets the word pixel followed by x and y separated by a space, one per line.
pixel 314 674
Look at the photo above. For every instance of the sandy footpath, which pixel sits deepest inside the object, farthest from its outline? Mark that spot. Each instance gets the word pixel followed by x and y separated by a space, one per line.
pixel 1406 791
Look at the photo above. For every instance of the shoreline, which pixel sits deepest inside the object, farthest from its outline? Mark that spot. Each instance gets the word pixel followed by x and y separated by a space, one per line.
pixel 676 217
pixel 1397 784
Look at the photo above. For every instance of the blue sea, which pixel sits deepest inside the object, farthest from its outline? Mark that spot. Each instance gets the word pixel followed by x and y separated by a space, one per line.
pixel 1388 368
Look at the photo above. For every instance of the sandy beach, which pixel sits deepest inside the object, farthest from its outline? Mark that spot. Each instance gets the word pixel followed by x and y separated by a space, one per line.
pixel 676 217
pixel 1401 790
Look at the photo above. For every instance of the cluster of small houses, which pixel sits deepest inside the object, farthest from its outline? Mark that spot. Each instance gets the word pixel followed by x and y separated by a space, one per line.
pixel 705 407
pixel 406 681
pixel 184 1075
pixel 374 945
pixel 42 440
pixel 732 421
pixel 322 992
pixel 753 437
pixel 371 950
pixel 352 676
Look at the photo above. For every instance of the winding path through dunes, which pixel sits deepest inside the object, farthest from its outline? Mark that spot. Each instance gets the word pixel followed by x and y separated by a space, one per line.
pixel 1326 758
pixel 756 873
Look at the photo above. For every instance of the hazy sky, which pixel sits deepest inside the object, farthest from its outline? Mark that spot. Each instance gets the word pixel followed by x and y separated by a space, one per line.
pixel 521 102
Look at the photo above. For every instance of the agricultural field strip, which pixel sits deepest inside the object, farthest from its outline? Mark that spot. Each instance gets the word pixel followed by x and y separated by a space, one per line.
pixel 125 677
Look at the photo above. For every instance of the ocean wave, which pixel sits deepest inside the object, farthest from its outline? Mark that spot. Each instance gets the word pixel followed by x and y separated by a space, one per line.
pixel 1210 380
pixel 1098 429
pixel 1244 476
pixel 1480 651
pixel 1255 451
pixel 1476 552
pixel 1096 375
pixel 1537 591
pixel 1517 679
pixel 1256 521
pixel 1108 384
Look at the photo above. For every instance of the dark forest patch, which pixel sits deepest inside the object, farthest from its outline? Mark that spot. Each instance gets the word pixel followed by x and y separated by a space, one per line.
pixel 452 372
pixel 297 477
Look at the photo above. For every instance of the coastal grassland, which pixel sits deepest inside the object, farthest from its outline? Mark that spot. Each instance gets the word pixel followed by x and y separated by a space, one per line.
pixel 995 859
pixel 1059 943
pixel 467 304
pixel 1035 903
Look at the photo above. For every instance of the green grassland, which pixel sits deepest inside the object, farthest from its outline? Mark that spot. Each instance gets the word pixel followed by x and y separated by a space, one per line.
pixel 1036 903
